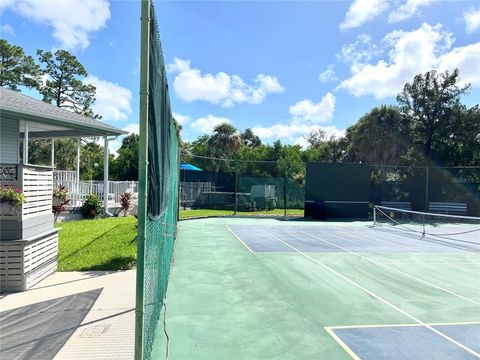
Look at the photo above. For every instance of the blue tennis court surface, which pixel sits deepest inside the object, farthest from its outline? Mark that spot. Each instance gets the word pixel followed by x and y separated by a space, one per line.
pixel 361 239
pixel 410 342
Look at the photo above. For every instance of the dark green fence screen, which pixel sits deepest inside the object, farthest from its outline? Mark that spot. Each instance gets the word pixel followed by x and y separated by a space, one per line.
pixel 158 190
pixel 244 187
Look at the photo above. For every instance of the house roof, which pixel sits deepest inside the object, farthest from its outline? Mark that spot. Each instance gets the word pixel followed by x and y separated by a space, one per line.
pixel 51 121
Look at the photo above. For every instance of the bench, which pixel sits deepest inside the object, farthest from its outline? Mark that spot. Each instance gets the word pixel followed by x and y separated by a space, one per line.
pixel 402 205
pixel 448 208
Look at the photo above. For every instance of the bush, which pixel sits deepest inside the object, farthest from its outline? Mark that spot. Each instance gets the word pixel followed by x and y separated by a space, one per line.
pixel 91 207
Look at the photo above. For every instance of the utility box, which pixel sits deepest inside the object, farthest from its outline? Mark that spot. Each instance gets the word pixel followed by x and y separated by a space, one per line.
pixel 264 196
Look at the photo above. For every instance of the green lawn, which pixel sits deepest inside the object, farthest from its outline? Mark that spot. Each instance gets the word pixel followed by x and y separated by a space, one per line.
pixel 110 244
pixel 100 244
pixel 185 214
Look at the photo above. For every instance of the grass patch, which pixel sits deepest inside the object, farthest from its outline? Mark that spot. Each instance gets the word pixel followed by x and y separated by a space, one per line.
pixel 185 214
pixel 110 244
pixel 100 244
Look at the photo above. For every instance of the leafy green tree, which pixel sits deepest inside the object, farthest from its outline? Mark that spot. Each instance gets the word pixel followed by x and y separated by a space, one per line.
pixel 429 103
pixel 63 86
pixel 461 144
pixel 381 136
pixel 17 68
pixel 125 166
pixel 91 161
pixel 316 138
pixel 250 139
pixel 332 150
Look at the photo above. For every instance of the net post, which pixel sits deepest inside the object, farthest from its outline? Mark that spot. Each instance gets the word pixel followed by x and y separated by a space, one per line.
pixel 374 215
pixel 285 194
pixel 142 177
pixel 236 188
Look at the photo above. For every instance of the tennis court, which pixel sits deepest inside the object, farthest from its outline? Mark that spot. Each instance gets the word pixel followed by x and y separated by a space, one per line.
pixel 273 289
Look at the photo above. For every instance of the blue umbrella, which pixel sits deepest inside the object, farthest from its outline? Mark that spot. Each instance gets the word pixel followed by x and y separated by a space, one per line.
pixel 189 167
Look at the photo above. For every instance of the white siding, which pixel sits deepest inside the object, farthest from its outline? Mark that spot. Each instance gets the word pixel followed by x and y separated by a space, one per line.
pixel 9 141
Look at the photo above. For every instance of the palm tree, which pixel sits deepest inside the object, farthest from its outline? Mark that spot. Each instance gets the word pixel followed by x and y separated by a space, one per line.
pixel 224 142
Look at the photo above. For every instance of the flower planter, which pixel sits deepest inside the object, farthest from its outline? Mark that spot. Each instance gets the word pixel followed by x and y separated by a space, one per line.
pixel 56 201
pixel 8 208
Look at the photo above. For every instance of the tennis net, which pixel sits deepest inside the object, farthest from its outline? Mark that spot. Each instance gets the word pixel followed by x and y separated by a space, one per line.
pixel 439 225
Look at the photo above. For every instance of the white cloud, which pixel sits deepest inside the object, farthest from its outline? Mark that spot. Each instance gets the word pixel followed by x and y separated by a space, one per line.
pixel 328 74
pixel 361 51
pixel 113 101
pixel 293 133
pixel 72 21
pixel 305 118
pixel 360 11
pixel 178 65
pixel 7 30
pixel 132 128
pixel 412 53
pixel 307 111
pixel 472 20
pixel 206 124
pixel 408 9
pixel 221 88
pixel 181 119
pixel 467 59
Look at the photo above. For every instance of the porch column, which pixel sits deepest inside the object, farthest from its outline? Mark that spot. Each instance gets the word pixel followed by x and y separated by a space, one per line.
pixel 77 169
pixel 52 160
pixel 25 144
pixel 105 175
pixel 78 161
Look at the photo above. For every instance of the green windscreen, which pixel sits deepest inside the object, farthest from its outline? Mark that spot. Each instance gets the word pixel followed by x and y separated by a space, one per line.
pixel 158 188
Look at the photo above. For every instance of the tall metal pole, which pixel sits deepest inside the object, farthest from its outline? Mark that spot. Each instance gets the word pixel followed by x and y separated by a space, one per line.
pixel 142 177
pixel 52 155
pixel 236 188
pixel 427 181
pixel 285 194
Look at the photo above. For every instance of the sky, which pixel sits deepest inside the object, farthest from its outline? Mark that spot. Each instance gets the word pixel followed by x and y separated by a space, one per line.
pixel 282 68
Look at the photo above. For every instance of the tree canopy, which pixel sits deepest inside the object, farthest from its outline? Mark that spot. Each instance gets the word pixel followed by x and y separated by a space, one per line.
pixel 16 68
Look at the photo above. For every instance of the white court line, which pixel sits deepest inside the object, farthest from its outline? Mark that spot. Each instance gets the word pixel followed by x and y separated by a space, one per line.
pixel 342 343
pixel 393 269
pixel 402 325
pixel 386 302
pixel 228 227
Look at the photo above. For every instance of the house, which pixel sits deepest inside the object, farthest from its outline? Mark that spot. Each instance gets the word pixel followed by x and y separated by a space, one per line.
pixel 28 239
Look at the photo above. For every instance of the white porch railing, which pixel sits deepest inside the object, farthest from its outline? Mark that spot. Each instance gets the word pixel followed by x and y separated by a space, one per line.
pixel 79 190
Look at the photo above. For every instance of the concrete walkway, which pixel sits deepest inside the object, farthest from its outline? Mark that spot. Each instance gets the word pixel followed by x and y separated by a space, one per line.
pixel 71 315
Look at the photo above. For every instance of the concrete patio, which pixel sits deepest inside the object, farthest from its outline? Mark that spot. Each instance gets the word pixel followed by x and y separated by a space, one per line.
pixel 71 315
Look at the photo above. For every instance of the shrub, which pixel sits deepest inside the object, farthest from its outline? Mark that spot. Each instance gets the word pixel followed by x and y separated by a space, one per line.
pixel 126 201
pixel 91 207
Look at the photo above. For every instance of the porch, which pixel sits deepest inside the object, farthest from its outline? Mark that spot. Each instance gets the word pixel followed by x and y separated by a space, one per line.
pixel 28 239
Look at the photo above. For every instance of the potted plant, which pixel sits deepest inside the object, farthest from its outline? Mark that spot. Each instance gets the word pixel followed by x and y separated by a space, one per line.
pixel 126 202
pixel 59 201
pixel 60 195
pixel 11 199
pixel 91 207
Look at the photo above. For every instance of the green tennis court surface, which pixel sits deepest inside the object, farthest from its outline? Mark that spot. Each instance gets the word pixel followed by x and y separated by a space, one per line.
pixel 272 289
